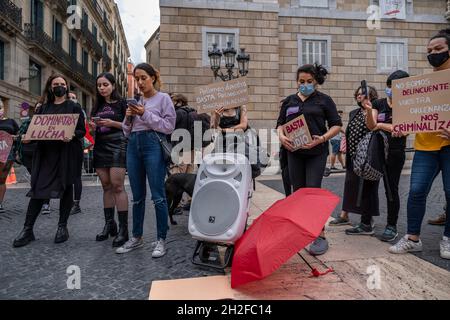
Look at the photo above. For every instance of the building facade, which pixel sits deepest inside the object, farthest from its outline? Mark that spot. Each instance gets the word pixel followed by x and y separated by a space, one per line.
pixel 281 35
pixel 76 38
pixel 152 49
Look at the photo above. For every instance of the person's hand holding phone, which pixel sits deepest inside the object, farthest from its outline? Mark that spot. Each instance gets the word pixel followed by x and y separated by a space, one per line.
pixel 108 123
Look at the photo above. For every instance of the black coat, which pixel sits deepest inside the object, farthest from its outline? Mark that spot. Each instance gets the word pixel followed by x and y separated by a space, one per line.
pixel 56 164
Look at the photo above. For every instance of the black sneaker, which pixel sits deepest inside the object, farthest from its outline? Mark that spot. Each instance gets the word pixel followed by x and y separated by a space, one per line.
pixel 75 210
pixel 389 234
pixel 360 230
pixel 45 209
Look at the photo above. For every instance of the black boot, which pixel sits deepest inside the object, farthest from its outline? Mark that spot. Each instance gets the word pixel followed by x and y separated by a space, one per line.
pixel 62 234
pixel 110 228
pixel 76 208
pixel 24 238
pixel 26 235
pixel 122 237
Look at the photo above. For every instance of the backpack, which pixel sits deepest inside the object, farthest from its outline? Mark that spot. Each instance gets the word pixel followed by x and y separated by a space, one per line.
pixel 371 155
pixel 191 119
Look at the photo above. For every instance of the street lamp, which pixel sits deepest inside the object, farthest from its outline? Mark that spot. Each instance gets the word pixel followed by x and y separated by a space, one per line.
pixel 229 54
pixel 33 72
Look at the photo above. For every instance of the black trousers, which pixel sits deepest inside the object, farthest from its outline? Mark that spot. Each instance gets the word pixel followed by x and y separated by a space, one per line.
pixel 394 167
pixel 78 188
pixel 306 171
pixel 65 204
pixel 285 172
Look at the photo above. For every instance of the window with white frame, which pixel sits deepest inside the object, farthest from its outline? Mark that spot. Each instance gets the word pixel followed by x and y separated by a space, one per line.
pixel 314 3
pixel 314 49
pixel 392 55
pixel 220 37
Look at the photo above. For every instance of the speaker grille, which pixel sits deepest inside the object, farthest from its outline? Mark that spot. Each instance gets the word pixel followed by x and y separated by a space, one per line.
pixel 215 208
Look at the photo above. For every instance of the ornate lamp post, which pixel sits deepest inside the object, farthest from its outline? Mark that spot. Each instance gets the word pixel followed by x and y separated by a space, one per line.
pixel 33 72
pixel 229 54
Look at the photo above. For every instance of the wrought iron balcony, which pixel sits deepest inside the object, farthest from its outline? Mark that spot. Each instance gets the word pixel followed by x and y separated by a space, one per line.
pixel 101 17
pixel 447 15
pixel 10 17
pixel 91 41
pixel 116 60
pixel 109 28
pixel 59 6
pixel 107 62
pixel 55 54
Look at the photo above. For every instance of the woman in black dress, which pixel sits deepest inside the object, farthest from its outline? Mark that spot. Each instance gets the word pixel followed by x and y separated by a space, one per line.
pixel 369 207
pixel 55 164
pixel 110 160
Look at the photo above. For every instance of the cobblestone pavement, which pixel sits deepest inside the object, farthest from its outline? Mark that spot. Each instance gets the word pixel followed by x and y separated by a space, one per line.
pixel 431 235
pixel 38 271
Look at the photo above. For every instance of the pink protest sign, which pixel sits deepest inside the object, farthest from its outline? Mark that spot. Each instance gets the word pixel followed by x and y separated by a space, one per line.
pixel 6 142
pixel 52 127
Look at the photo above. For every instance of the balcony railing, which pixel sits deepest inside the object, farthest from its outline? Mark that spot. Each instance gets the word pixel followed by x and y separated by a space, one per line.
pixel 107 63
pixel 10 17
pixel 447 15
pixel 59 6
pixel 91 41
pixel 98 11
pixel 55 53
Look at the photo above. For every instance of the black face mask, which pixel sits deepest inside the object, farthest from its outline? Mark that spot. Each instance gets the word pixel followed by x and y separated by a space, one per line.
pixel 438 59
pixel 59 91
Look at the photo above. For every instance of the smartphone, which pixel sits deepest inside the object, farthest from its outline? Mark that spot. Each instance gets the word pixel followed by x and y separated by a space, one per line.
pixel 132 101
pixel 95 119
pixel 364 89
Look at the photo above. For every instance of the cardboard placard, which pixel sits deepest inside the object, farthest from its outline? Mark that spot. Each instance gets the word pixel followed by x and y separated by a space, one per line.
pixel 421 104
pixel 52 126
pixel 297 130
pixel 228 95
pixel 6 143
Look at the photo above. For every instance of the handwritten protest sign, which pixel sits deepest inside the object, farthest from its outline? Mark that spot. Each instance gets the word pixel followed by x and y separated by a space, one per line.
pixel 6 143
pixel 422 103
pixel 52 127
pixel 228 95
pixel 297 130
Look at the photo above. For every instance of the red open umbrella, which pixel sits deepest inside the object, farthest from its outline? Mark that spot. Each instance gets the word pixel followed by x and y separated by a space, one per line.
pixel 279 233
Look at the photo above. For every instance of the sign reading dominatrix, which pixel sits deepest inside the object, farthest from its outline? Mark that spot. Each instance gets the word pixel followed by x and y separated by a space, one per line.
pixel 422 103
pixel 52 127
pixel 228 95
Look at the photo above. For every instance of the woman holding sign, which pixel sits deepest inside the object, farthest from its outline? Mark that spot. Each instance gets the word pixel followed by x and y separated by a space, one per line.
pixel 55 163
pixel 307 164
pixel 110 162
pixel 10 127
pixel 432 157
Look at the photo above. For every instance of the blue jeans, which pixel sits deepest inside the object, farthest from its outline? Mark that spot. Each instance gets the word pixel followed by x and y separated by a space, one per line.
pixel 426 166
pixel 145 160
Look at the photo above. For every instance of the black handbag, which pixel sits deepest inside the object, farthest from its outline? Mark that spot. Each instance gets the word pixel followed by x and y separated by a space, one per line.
pixel 166 148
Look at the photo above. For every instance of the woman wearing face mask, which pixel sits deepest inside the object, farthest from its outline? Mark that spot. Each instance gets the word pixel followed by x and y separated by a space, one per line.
pixel 432 157
pixel 55 164
pixel 306 166
pixel 379 117
pixel 356 130
pixel 11 127
pixel 145 125
pixel 110 150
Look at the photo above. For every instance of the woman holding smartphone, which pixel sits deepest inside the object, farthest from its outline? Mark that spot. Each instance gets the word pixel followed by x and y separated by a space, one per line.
pixel 146 124
pixel 110 162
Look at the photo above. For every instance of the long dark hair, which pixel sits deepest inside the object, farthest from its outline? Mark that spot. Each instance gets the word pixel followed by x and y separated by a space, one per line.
pixel 317 71
pixel 99 99
pixel 152 72
pixel 47 95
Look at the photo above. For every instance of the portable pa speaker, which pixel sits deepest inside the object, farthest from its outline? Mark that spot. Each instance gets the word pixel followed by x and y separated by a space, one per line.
pixel 221 199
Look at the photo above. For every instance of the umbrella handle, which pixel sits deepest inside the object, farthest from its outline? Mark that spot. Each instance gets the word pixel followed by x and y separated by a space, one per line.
pixel 316 273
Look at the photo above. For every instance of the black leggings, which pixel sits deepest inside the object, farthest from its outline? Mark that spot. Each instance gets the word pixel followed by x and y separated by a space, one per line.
pixel 78 188
pixel 306 171
pixel 65 205
pixel 394 167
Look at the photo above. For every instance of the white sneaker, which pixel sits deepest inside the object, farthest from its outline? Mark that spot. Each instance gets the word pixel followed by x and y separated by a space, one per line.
pixel 445 248
pixel 405 245
pixel 160 249
pixel 131 245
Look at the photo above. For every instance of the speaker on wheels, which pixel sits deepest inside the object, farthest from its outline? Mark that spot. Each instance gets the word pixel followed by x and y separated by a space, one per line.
pixel 221 200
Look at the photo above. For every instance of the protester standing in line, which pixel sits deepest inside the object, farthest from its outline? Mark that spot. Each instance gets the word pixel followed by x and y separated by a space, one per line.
pixel 432 157
pixel 356 130
pixel 110 152
pixel 54 164
pixel 11 127
pixel 306 166
pixel 146 125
